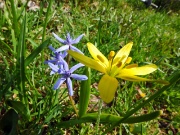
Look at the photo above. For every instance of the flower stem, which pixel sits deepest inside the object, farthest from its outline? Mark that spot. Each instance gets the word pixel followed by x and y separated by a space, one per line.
pixel 70 97
pixel 72 102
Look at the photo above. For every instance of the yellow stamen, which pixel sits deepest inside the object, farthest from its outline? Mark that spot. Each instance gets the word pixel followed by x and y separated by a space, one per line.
pixel 111 55
pixel 128 60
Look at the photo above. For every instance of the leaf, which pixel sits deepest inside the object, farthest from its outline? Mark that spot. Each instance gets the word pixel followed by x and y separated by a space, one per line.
pixel 109 119
pixel 21 49
pixel 33 55
pixel 137 128
pixel 9 121
pixel 85 93
pixel 19 107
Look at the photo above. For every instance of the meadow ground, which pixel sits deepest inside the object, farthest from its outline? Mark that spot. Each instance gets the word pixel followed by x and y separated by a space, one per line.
pixel 29 105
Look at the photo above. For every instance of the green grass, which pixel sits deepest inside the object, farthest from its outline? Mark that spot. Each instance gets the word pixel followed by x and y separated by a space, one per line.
pixel 24 39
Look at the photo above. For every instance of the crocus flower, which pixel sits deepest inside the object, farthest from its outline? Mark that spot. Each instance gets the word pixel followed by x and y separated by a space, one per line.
pixel 115 66
pixel 56 57
pixel 66 75
pixel 68 43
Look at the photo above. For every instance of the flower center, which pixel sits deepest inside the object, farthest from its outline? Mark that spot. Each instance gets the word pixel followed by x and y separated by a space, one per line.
pixel 67 74
pixel 110 58
pixel 111 55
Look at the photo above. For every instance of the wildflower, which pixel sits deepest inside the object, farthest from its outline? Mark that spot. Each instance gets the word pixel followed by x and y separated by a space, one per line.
pixel 68 43
pixel 66 75
pixel 116 66
pixel 56 57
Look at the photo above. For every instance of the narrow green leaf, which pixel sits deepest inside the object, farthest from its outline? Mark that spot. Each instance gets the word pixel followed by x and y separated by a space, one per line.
pixel 109 119
pixel 20 61
pixel 8 123
pixel 33 55
pixel 85 93
pixel 34 45
pixel 14 21
pixel 137 128
pixel 14 41
pixel 46 19
pixel 19 107
pixel 52 113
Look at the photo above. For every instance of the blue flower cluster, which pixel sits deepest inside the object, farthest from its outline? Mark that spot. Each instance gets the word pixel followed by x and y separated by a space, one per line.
pixel 59 66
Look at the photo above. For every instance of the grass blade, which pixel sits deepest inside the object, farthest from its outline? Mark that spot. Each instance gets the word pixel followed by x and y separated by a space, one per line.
pixel 46 19
pixel 21 59
pixel 14 14
pixel 33 55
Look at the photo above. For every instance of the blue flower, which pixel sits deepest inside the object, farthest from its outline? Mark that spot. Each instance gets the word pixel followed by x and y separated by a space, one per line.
pixel 56 57
pixel 66 74
pixel 68 43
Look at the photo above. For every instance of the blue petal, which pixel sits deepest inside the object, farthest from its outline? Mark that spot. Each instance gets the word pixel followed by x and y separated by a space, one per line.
pixel 58 83
pixel 66 67
pixel 79 77
pixel 52 48
pixel 77 39
pixel 75 67
pixel 75 49
pixel 58 38
pixel 61 69
pixel 50 61
pixel 69 85
pixel 55 68
pixel 63 48
pixel 68 39
pixel 64 54
pixel 52 72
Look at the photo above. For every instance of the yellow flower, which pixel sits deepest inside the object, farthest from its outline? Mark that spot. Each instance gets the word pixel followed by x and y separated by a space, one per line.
pixel 115 66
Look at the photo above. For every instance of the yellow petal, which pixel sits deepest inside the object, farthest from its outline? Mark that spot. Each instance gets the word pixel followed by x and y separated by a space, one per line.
pixel 133 78
pixel 87 61
pixel 144 70
pixel 137 79
pixel 96 54
pixel 107 88
pixel 123 54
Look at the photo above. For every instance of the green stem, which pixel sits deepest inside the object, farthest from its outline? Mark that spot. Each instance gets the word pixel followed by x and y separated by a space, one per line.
pixel 72 102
